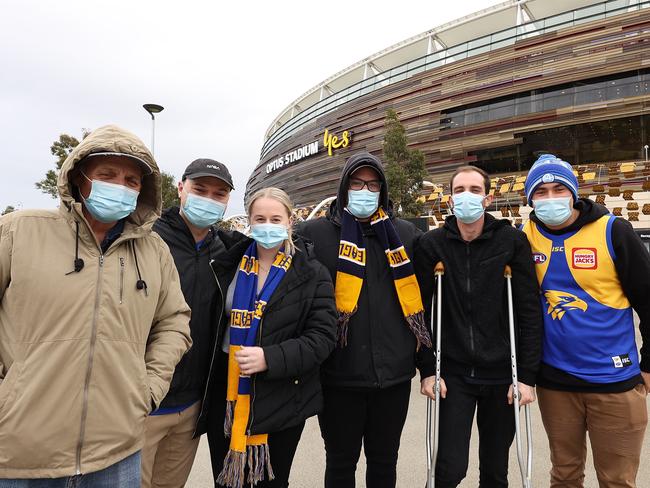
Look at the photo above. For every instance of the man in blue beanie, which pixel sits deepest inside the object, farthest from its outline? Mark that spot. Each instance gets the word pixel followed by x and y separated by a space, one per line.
pixel 593 271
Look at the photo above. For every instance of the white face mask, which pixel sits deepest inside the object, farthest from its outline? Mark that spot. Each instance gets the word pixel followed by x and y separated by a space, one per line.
pixel 553 211
pixel 468 207
pixel 269 235
pixel 110 202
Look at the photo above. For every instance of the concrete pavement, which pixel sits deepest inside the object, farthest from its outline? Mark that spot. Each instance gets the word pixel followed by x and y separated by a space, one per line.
pixel 308 466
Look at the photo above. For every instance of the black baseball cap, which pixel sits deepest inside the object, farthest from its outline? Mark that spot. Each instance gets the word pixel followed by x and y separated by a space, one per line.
pixel 208 167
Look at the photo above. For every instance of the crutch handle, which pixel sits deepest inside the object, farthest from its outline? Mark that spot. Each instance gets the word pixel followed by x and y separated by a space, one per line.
pixel 508 271
pixel 439 269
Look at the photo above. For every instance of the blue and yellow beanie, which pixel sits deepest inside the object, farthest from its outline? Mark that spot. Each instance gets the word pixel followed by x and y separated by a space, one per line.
pixel 548 169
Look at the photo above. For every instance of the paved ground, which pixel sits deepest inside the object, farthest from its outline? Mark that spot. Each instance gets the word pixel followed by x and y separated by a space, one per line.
pixel 309 463
pixel 308 466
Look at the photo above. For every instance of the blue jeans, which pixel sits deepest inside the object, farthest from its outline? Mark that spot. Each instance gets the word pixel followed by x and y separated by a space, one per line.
pixel 125 474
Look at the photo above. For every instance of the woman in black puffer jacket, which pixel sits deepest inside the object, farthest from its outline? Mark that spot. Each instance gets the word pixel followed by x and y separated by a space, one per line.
pixel 279 362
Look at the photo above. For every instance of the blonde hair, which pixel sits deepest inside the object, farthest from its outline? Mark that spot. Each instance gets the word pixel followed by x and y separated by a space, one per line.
pixel 282 197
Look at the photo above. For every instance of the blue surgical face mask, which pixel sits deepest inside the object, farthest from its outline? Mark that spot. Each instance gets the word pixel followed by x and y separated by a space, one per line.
pixel 269 235
pixel 468 206
pixel 201 211
pixel 553 211
pixel 109 202
pixel 362 203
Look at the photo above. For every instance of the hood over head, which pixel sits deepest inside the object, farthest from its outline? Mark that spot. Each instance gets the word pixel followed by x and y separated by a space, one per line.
pixel 115 141
pixel 355 162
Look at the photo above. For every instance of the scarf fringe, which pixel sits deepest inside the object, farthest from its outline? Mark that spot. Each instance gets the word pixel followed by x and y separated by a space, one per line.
pixel 419 329
pixel 257 458
pixel 227 421
pixel 342 327
pixel 232 474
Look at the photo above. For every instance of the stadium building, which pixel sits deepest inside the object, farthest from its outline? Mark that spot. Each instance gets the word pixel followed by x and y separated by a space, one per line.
pixel 493 89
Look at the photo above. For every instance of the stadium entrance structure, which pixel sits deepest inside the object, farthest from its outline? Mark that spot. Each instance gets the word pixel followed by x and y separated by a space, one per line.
pixel 494 89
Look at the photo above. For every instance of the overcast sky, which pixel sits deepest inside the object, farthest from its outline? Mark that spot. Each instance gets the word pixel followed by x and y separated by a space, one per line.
pixel 222 70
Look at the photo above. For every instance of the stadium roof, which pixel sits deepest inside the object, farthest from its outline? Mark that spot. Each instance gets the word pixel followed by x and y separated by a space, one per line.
pixel 501 16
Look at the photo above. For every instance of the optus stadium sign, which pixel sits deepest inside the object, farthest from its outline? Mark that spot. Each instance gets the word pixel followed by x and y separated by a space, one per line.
pixel 330 142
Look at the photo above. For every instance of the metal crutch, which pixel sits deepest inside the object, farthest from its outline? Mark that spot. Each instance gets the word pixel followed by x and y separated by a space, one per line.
pixel 432 449
pixel 526 472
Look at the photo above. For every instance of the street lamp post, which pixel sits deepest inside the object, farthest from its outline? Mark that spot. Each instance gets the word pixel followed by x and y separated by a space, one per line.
pixel 152 108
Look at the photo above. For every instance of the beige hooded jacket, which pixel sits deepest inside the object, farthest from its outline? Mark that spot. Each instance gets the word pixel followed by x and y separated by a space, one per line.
pixel 84 354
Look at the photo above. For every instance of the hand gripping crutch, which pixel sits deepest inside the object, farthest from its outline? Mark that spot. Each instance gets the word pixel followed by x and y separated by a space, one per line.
pixel 526 472
pixel 432 449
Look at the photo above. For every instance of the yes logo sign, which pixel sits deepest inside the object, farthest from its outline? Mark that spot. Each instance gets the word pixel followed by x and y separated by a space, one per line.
pixel 334 142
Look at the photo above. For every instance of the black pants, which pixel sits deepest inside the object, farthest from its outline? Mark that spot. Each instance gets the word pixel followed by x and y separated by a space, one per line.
pixel 282 444
pixel 375 417
pixel 496 428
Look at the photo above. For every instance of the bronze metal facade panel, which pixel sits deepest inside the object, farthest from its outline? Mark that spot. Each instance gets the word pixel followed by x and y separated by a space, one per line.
pixel 619 44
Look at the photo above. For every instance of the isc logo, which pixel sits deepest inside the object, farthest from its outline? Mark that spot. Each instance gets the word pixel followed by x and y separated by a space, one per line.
pixel 539 258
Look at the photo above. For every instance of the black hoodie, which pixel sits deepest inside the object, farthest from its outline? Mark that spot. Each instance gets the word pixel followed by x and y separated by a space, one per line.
pixel 203 286
pixel 632 265
pixel 475 331
pixel 381 349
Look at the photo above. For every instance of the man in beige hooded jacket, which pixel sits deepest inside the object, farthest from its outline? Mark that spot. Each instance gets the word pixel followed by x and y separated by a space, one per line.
pixel 92 321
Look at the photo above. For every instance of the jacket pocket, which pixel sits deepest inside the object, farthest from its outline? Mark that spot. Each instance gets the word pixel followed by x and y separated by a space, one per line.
pixel 8 386
pixel 146 389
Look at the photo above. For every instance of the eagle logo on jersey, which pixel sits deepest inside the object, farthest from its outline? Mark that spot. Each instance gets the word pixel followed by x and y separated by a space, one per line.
pixel 560 302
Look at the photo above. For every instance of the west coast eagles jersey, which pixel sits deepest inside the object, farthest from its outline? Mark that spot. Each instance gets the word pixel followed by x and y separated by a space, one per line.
pixel 588 320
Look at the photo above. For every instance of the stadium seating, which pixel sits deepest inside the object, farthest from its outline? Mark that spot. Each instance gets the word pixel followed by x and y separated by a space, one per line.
pixel 623 187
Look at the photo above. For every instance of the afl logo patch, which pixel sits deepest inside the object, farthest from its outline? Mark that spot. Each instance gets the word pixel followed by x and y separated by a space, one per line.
pixel 539 258
pixel 548 178
pixel 584 258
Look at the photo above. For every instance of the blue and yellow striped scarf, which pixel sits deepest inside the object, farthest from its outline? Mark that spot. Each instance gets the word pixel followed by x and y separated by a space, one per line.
pixel 245 319
pixel 351 270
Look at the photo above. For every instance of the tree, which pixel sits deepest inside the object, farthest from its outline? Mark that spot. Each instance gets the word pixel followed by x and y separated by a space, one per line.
pixel 405 169
pixel 169 190
pixel 61 149
pixel 8 209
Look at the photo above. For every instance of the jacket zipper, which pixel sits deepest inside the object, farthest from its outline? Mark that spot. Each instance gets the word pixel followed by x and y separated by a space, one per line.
pixel 469 309
pixel 216 343
pixel 121 278
pixel 93 337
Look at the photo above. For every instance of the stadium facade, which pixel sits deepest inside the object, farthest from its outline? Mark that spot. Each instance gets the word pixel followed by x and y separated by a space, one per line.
pixel 494 89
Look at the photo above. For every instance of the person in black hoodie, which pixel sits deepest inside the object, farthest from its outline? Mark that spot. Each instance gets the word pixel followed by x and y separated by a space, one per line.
pixel 593 271
pixel 172 432
pixel 475 351
pixel 367 379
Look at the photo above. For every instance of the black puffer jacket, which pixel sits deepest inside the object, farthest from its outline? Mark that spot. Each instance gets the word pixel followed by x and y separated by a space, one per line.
pixel 475 332
pixel 297 333
pixel 204 296
pixel 381 349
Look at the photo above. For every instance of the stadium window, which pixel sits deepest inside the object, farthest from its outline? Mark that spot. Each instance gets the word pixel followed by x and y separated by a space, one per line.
pixel 558 98
pixel 502 110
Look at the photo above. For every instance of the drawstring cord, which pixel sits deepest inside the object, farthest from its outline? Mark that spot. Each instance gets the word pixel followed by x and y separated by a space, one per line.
pixel 78 262
pixel 140 284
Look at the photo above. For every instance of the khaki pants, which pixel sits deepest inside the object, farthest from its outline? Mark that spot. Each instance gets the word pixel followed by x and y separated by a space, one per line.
pixel 169 449
pixel 616 424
